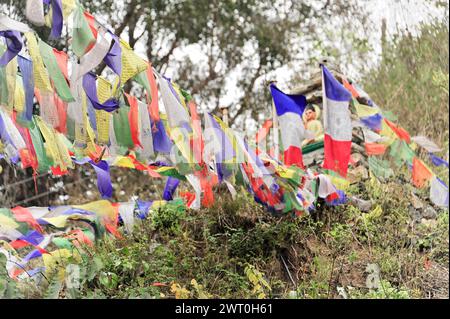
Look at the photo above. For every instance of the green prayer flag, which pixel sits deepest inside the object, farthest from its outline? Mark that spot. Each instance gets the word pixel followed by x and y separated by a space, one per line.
pixel 38 143
pixel 62 243
pixel 187 96
pixel 23 227
pixel 60 83
pixel 3 84
pixel 380 168
pixel 401 152
pixel 82 36
pixel 122 127
pixel 142 79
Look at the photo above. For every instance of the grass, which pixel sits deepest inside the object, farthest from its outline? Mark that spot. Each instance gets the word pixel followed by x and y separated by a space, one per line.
pixel 236 250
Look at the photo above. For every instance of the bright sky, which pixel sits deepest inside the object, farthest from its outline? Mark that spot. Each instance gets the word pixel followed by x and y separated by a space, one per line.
pixel 399 15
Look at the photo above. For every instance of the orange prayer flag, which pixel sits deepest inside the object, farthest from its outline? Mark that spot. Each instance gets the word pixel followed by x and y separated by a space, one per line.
pixel 399 131
pixel 263 131
pixel 350 87
pixel 420 173
pixel 375 148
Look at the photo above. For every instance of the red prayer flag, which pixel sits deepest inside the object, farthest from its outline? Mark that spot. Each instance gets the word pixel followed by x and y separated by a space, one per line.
pixel 153 107
pixel 61 59
pixel 133 117
pixel 21 214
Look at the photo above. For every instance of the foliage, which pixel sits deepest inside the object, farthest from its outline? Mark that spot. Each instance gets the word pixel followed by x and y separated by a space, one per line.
pixel 385 291
pixel 412 81
pixel 256 278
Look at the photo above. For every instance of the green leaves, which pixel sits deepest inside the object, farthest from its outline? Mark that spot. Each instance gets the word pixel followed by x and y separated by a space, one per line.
pixel 54 288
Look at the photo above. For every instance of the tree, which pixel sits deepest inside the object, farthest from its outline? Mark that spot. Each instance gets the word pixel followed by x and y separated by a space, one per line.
pixel 206 44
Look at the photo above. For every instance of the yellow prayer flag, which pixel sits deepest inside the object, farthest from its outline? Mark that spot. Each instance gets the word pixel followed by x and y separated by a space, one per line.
pixel 132 64
pixel 122 161
pixel 103 118
pixel 158 204
pixel 386 131
pixel 41 79
pixel 11 75
pixel 57 261
pixel 8 222
pixel 68 6
pixel 19 96
pixel 63 150
pixel 51 145
pixel 81 128
pixel 364 110
pixel 101 208
pixel 340 183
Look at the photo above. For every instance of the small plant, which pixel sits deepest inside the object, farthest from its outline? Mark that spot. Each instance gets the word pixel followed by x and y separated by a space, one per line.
pixel 179 291
pixel 260 285
pixel 200 290
pixel 168 218
pixel 384 291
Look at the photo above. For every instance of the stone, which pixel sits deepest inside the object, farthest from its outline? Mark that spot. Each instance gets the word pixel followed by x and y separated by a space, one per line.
pixel 429 213
pixel 416 202
pixel 373 277
pixel 415 214
pixel 358 173
pixel 363 205
pixel 430 223
pixel 357 157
